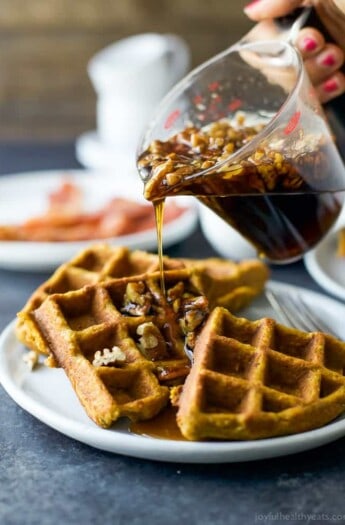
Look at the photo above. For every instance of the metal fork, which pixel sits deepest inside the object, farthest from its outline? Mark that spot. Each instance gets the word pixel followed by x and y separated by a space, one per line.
pixel 294 311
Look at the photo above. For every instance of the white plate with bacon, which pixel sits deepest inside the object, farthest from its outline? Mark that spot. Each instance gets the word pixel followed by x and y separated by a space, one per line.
pixel 46 217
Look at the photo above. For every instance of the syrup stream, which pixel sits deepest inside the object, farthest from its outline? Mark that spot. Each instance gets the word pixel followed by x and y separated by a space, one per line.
pixel 159 213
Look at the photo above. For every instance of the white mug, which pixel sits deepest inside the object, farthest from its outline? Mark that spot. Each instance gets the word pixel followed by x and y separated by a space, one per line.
pixel 130 77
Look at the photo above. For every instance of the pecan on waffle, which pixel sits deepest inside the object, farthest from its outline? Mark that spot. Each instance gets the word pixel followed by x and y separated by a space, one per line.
pixel 122 342
pixel 260 379
pixel 225 283
pixel 98 263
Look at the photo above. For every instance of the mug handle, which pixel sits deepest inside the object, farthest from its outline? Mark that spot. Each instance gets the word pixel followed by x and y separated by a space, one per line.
pixel 178 55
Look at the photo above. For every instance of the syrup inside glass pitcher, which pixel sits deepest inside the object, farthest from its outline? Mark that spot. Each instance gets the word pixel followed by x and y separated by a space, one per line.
pixel 268 197
pixel 246 135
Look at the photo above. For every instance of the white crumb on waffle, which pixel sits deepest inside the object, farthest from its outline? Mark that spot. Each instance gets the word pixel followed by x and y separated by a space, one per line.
pixel 107 356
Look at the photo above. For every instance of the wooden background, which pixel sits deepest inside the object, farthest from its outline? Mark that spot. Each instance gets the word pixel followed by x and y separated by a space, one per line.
pixel 45 92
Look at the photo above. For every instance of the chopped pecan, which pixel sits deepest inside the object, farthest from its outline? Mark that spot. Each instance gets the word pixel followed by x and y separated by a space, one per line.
pixel 269 175
pixel 152 343
pixel 175 292
pixel 194 312
pixel 164 168
pixel 137 300
pixel 192 320
pixel 173 178
pixel 159 148
pixel 172 374
pixel 272 166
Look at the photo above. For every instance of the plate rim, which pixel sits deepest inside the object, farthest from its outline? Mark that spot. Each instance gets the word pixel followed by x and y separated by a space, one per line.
pixel 112 440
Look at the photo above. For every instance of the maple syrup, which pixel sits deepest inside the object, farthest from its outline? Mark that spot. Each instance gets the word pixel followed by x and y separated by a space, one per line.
pixel 159 215
pixel 283 201
pixel 163 426
pixel 283 226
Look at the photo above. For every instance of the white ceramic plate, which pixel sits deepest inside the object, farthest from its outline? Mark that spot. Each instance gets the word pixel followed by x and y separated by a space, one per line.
pixel 25 195
pixel 326 268
pixel 47 395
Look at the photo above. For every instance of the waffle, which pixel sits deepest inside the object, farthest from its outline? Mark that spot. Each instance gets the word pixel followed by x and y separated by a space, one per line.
pixel 98 263
pixel 257 379
pixel 230 284
pixel 225 283
pixel 122 342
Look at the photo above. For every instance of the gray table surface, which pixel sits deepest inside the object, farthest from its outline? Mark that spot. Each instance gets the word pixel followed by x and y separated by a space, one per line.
pixel 48 478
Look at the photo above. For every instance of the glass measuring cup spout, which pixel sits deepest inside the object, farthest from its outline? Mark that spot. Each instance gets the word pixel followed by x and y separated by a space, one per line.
pixel 246 135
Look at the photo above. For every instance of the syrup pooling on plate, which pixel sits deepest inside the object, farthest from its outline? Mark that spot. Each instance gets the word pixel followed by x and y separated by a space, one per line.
pixel 283 195
pixel 163 426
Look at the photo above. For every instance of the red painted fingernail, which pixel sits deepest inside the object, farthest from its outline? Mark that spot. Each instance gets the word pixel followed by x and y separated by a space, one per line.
pixel 251 4
pixel 309 44
pixel 330 85
pixel 328 61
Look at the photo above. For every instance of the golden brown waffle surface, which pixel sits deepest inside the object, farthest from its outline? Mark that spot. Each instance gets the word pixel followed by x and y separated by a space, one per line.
pixel 121 341
pixel 257 379
pixel 225 283
pixel 98 263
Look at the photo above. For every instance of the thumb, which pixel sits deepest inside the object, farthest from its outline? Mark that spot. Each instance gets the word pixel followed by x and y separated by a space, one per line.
pixel 262 9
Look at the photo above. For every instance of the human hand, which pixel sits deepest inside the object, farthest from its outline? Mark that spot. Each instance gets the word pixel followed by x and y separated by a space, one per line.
pixel 323 60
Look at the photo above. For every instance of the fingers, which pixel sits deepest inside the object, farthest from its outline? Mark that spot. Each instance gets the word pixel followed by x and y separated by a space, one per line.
pixel 331 88
pixel 310 42
pixel 321 59
pixel 323 62
pixel 263 9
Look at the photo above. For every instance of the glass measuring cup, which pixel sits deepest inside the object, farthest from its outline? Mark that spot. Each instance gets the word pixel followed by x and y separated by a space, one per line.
pixel 282 187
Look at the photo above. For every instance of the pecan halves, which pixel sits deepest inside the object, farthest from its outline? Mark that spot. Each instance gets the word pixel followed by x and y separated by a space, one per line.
pixel 137 300
pixel 151 342
pixel 194 312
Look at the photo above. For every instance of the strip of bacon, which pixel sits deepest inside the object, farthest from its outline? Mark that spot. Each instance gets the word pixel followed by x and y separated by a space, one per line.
pixel 65 220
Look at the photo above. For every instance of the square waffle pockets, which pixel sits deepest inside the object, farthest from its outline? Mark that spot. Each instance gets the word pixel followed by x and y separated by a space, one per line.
pixel 132 318
pixel 259 379
pixel 225 283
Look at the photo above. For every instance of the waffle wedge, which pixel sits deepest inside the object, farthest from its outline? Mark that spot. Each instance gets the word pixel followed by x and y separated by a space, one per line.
pixel 97 263
pixel 260 379
pixel 121 342
pixel 225 283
